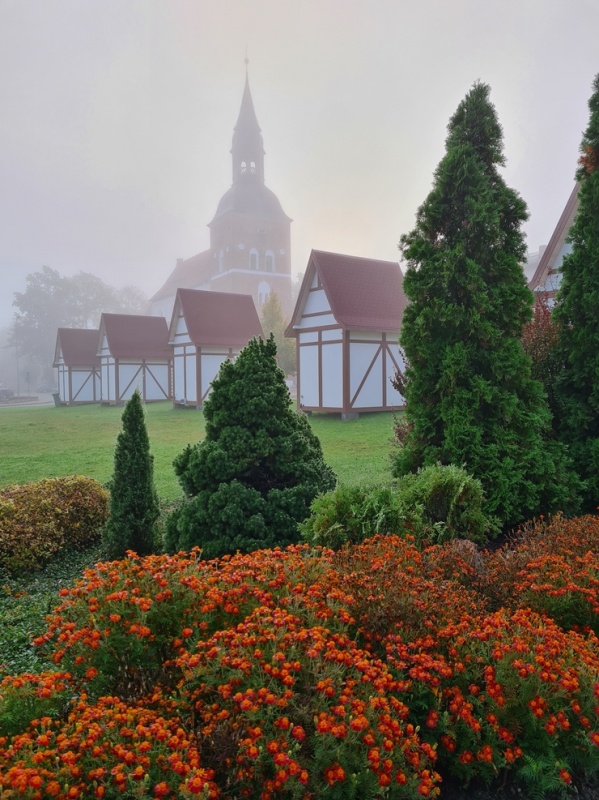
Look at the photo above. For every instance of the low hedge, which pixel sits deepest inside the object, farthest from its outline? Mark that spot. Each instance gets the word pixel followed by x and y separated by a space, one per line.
pixel 39 519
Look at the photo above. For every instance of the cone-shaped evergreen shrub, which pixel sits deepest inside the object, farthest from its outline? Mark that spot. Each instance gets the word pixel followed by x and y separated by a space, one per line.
pixel 252 479
pixel 577 314
pixel 134 508
pixel 471 400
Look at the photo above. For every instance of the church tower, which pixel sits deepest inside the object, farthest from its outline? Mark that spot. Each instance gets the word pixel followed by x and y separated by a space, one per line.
pixel 249 233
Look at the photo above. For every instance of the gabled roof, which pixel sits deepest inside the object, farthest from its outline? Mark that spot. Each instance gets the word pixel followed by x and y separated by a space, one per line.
pixel 135 336
pixel 548 261
pixel 364 293
pixel 217 318
pixel 188 274
pixel 78 346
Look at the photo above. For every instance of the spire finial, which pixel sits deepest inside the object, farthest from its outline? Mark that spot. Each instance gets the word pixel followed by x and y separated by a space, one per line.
pixel 246 59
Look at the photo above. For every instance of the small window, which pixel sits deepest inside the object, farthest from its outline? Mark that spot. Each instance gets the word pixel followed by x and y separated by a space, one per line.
pixel 252 167
pixel 244 167
pixel 221 256
pixel 253 260
pixel 269 261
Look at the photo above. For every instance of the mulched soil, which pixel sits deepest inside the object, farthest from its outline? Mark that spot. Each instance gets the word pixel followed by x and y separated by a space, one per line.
pixel 454 792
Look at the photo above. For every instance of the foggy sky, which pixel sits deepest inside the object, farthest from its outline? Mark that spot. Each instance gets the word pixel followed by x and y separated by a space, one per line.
pixel 116 119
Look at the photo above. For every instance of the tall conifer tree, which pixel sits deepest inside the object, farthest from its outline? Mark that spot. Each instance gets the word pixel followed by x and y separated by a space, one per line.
pixel 134 507
pixel 252 479
pixel 471 399
pixel 577 314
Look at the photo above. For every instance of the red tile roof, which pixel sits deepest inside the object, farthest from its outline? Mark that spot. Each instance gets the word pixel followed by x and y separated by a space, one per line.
pixel 136 336
pixel 364 293
pixel 548 260
pixel 78 346
pixel 188 274
pixel 217 318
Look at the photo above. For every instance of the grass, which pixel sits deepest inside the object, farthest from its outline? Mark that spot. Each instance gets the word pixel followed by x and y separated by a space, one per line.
pixel 46 442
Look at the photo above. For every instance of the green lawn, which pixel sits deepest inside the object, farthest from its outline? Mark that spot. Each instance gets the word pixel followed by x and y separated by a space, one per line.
pixel 43 441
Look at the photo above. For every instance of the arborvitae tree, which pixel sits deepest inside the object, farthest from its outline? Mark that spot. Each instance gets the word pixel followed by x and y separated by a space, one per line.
pixel 273 322
pixel 471 400
pixel 134 508
pixel 253 478
pixel 577 315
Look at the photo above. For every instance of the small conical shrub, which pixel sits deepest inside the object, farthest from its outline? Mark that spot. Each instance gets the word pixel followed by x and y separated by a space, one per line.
pixel 134 508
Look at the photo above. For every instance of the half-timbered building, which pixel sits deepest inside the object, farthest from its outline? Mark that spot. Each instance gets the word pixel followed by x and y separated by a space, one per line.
pixel 78 364
pixel 134 354
pixel 207 328
pixel 346 322
pixel 547 276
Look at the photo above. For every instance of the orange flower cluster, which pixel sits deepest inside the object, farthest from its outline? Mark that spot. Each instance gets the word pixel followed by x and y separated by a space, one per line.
pixel 104 750
pixel 305 673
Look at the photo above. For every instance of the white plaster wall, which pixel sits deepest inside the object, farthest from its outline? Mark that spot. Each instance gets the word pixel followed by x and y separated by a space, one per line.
pixel 78 380
pixel 371 393
pixel 305 338
pixel 317 301
pixel 316 322
pixel 368 336
pixel 308 363
pixel 360 356
pixel 210 367
pixel 107 373
pixel 63 383
pixel 332 375
pixel 332 335
pixel 156 382
pixel 130 379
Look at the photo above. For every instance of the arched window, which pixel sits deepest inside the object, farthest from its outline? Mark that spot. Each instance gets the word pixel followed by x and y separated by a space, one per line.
pixel 269 261
pixel 252 167
pixel 254 259
pixel 221 257
pixel 244 167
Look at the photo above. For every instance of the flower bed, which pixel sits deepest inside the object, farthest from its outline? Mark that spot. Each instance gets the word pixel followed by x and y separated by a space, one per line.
pixel 376 672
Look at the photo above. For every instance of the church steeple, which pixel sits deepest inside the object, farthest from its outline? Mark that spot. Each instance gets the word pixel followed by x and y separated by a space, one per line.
pixel 248 147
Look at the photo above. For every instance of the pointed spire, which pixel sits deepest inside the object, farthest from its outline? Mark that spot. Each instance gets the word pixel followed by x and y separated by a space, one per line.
pixel 248 148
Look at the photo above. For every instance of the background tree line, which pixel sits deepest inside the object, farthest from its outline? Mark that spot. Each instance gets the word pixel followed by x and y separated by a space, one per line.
pixel 51 301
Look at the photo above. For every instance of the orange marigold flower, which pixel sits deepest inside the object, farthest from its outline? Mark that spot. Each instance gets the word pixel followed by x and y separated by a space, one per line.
pixel 298 733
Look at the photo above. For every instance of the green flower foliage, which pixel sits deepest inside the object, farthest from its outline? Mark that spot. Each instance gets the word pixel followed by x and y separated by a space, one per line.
pixel 443 502
pixel 470 396
pixel 39 519
pixel 351 514
pixel 252 479
pixel 577 313
pixel 134 507
pixel 434 505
